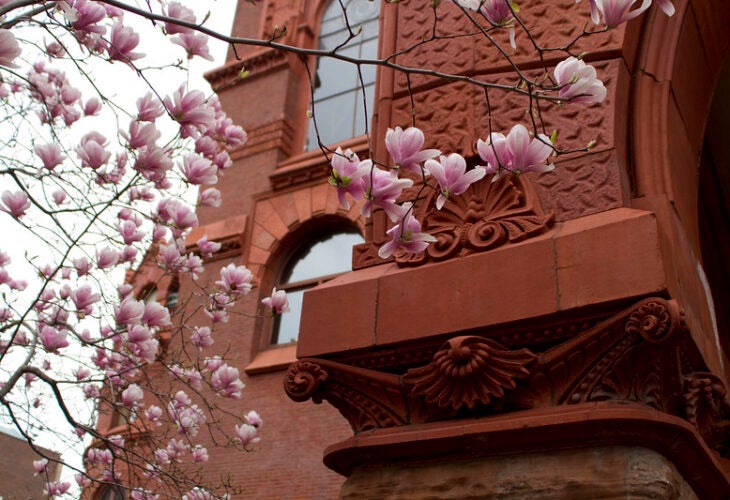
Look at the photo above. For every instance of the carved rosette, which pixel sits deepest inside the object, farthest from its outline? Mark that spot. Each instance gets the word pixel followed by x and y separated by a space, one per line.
pixel 488 215
pixel 468 371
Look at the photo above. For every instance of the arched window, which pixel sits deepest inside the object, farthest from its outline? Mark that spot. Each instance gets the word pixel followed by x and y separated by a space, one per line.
pixel 111 493
pixel 338 91
pixel 317 261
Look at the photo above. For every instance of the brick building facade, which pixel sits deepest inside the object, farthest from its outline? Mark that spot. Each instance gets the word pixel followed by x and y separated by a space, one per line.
pixel 606 296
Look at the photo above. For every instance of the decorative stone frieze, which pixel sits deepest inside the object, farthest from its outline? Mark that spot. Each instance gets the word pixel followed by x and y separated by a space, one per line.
pixel 643 354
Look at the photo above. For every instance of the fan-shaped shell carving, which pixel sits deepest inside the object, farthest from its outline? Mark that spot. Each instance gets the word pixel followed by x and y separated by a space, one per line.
pixel 303 379
pixel 467 371
pixel 486 216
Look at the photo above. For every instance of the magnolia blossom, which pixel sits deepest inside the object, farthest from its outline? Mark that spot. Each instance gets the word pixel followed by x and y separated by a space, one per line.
pixel 346 176
pixel 404 147
pixel 199 170
pixel 123 41
pixel 53 339
pixel 450 172
pixel 578 82
pixel 235 279
pixel 195 44
pixel 201 337
pixel 276 302
pixel 515 153
pixel 406 236
pixel 253 418
pixel 50 155
pixel 616 12
pixel 381 190
pixel 132 395
pixel 15 203
pixel 9 49
pixel 40 465
pixel 178 11
pixel 499 13
pixel 225 380
pixel 246 434
pixel 207 248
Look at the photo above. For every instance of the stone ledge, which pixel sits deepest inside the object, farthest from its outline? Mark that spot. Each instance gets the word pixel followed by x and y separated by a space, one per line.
pixel 605 257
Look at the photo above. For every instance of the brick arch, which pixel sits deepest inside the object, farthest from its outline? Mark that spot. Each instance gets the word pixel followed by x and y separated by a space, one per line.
pixel 678 65
pixel 278 216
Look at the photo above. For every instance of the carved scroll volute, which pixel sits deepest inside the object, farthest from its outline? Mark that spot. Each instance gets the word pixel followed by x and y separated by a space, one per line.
pixel 468 371
pixel 488 215
pixel 303 379
pixel 655 321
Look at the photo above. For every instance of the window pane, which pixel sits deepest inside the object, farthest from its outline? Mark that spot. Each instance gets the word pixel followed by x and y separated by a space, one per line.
pixel 346 78
pixel 330 256
pixel 334 119
pixel 288 327
pixel 326 256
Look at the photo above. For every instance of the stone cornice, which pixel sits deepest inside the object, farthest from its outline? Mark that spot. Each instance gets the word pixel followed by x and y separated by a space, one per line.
pixel 255 64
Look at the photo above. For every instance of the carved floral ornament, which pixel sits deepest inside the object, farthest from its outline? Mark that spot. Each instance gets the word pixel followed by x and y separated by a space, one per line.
pixel 642 355
pixel 486 216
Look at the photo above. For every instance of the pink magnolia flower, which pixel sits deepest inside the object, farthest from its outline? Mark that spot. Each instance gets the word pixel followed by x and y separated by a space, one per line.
pixel 404 147
pixel 346 176
pixel 53 339
pixel 406 236
pixel 195 44
pixel 129 311
pixel 9 49
pixel 276 302
pixel 153 163
pixel 132 395
pixel 578 82
pixel 225 380
pixel 156 315
pixel 84 298
pixel 191 111
pixel 123 41
pixel 82 265
pixel 207 248
pixel 82 373
pixel 149 108
pixel 246 434
pixel 381 190
pixel 15 203
pixel 235 279
pixel 92 107
pixel 200 454
pixel 129 231
pixel 178 11
pixel 499 13
pixel 50 155
pixel 153 413
pixel 57 488
pixel 40 465
pixel 616 12
pixel 106 257
pixel 82 480
pixel 91 150
pixel 199 170
pixel 141 134
pixel 450 172
pixel 253 418
pixel 515 153
pixel 210 197
pixel 197 493
pixel 201 337
pixel 666 6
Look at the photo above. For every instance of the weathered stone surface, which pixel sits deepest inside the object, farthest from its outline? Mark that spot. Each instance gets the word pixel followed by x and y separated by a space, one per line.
pixel 605 473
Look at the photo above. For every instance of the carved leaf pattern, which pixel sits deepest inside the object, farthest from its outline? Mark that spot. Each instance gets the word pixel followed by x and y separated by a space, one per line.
pixel 487 215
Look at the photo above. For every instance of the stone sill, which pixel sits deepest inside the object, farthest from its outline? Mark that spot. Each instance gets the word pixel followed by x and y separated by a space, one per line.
pixel 596 259
pixel 271 360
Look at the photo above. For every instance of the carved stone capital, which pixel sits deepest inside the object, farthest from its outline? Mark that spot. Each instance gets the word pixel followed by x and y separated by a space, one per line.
pixel 642 355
